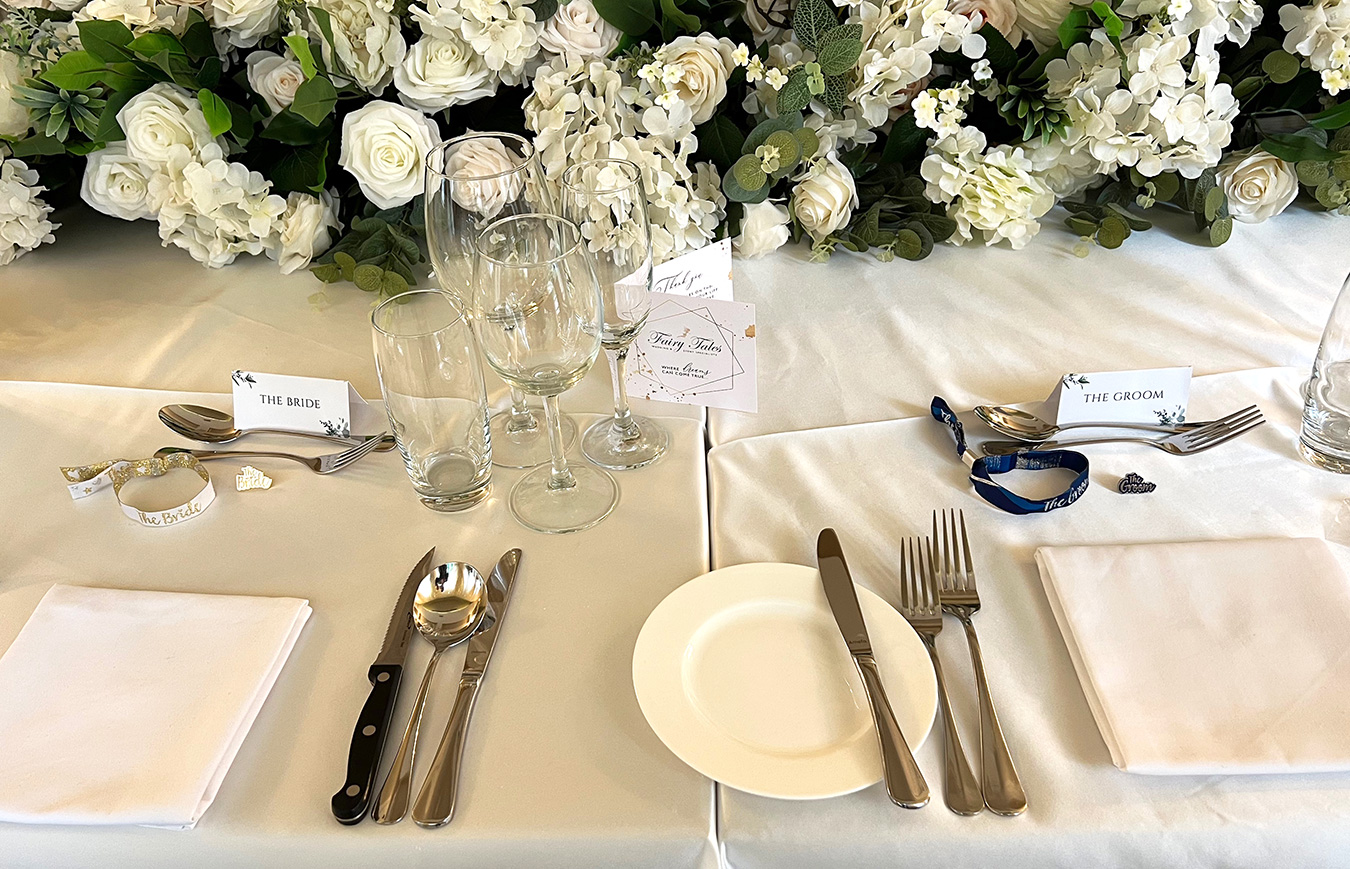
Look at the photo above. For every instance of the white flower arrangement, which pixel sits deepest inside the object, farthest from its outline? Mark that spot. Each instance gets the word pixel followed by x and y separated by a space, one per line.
pixel 23 214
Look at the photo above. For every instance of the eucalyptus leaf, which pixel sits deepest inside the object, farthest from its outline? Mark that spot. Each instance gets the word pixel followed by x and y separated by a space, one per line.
pixel 1281 66
pixel 736 193
pixel 1221 231
pixel 909 245
pixel 748 173
pixel 1112 233
pixel 369 278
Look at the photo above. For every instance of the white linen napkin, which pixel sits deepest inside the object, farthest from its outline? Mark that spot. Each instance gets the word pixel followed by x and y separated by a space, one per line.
pixel 127 707
pixel 1228 656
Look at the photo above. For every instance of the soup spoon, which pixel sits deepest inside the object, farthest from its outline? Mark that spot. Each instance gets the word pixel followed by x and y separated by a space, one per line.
pixel 1026 426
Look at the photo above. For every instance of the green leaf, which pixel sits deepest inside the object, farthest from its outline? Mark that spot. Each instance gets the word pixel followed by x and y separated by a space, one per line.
pixel 1133 221
pixel 241 126
pixel 369 278
pixel 843 31
pixel 811 21
pixel 544 9
pixel 148 45
pixel 291 128
pixel 1333 118
pixel 939 226
pixel 197 39
pixel 108 129
pixel 998 51
pixel 1082 226
pixel 748 173
pixel 906 141
pixel 1166 187
pixel 1312 172
pixel 807 142
pixel 1112 233
pixel 324 21
pixel 290 169
pixel 839 56
pixel 1248 87
pixel 217 113
pixel 299 46
pixel 796 94
pixel 785 121
pixel 909 245
pixel 346 264
pixel 1076 27
pixel 1111 22
pixel 1281 66
pixel 736 193
pixel 314 100
pixel 634 17
pixel 393 283
pixel 720 140
pixel 326 272
pixel 1306 144
pixel 105 40
pixel 1221 231
pixel 1214 200
pixel 75 71
pixel 35 146
pixel 677 19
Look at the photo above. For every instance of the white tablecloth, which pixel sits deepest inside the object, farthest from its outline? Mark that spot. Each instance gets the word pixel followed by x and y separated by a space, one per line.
pixel 561 770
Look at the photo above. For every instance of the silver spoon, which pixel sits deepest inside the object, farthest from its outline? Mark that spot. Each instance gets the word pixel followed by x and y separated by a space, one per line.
pixel 1028 427
pixel 450 604
pixel 210 426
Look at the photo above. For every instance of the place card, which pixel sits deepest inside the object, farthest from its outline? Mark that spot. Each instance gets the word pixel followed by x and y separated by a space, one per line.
pixel 701 274
pixel 309 404
pixel 1154 395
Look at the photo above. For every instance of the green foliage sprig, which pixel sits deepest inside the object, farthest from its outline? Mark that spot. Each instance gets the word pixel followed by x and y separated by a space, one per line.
pixel 379 251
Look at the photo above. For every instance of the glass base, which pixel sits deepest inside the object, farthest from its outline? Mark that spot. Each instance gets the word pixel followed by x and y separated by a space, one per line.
pixel 455 503
pixel 558 511
pixel 1324 460
pixel 529 448
pixel 602 444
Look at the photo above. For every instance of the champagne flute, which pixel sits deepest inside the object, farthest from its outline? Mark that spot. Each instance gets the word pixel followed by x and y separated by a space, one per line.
pixel 539 317
pixel 606 199
pixel 472 180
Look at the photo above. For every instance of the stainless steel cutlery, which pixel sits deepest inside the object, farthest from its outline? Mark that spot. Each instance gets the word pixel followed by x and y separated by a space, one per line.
pixel 325 464
pixel 1182 443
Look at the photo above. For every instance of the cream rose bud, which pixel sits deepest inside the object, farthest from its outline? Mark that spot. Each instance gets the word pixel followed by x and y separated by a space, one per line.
pixel 480 168
pixel 244 22
pixel 704 63
pixel 274 78
pixel 576 30
pixel 440 71
pixel 157 119
pixel 823 201
pixel 1002 14
pixel 383 146
pixel 115 184
pixel 1258 185
pixel 304 231
pixel 763 230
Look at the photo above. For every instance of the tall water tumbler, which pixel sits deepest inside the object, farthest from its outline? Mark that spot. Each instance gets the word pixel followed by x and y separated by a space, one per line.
pixel 428 364
pixel 1325 439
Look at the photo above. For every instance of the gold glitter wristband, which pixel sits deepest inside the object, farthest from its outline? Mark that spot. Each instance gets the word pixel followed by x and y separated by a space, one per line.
pixel 85 480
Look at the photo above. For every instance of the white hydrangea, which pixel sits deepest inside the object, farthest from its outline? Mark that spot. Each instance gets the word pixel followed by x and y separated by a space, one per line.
pixel 992 195
pixel 503 32
pixel 1040 19
pixel 23 214
pixel 140 16
pixel 214 209
pixel 1231 20
pixel 367 41
pixel 1163 109
pixel 14 120
pixel 1320 32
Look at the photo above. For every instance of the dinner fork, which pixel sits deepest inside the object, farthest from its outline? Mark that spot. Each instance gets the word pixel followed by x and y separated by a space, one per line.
pixel 325 464
pixel 920 605
pixel 1180 444
pixel 1003 792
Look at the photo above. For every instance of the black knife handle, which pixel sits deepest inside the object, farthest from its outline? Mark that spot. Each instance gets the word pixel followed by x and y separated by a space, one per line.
pixel 350 803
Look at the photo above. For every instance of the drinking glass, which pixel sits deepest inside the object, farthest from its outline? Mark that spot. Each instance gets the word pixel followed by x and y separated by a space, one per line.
pixel 432 382
pixel 472 180
pixel 606 199
pixel 538 316
pixel 1325 439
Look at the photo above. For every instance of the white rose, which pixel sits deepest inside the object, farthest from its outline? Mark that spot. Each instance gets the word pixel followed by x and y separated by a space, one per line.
pixel 157 119
pixel 440 71
pixel 763 230
pixel 1040 20
pixel 14 121
pixel 304 230
pixel 824 200
pixel 1258 184
pixel 138 15
pixel 366 39
pixel 66 5
pixel 1002 14
pixel 274 78
pixel 761 15
pixel 704 62
pixel 487 159
pixel 383 146
pixel 244 22
pixel 577 30
pixel 116 184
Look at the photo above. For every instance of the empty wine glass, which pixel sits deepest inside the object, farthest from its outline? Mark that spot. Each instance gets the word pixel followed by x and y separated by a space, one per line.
pixel 1325 437
pixel 538 317
pixel 606 199
pixel 472 180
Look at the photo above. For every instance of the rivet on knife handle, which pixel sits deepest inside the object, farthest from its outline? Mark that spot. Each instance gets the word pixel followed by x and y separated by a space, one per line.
pixel 350 803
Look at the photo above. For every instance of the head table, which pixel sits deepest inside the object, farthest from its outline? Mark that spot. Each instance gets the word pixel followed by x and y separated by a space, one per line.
pixel 99 330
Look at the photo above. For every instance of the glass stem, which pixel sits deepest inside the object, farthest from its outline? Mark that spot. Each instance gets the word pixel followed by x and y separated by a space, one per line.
pixel 625 427
pixel 561 477
pixel 522 420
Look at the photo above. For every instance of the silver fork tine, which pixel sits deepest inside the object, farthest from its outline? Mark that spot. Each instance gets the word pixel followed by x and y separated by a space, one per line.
pixel 953 557
pixel 968 580
pixel 904 575
pixel 347 456
pixel 942 580
pixel 1206 435
pixel 1228 422
pixel 1228 436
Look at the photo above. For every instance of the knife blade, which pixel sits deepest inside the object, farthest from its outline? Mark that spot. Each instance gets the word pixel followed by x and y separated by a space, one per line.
pixel 904 782
pixel 363 758
pixel 436 802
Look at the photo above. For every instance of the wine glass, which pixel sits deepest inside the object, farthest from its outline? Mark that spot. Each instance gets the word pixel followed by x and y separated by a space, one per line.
pixel 539 317
pixel 606 199
pixel 472 180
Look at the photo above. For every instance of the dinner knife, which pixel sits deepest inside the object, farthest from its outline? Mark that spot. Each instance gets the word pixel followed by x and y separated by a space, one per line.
pixel 904 781
pixel 435 804
pixel 363 758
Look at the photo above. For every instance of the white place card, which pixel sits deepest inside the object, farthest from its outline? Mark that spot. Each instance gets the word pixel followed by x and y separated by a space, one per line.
pixel 696 351
pixel 311 404
pixel 1155 395
pixel 701 274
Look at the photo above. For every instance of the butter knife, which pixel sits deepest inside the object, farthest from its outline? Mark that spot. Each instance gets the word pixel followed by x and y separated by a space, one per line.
pixel 435 804
pixel 363 758
pixel 904 782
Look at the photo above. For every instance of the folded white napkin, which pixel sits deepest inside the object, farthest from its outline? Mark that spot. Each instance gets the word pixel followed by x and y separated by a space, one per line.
pixel 127 707
pixel 1229 656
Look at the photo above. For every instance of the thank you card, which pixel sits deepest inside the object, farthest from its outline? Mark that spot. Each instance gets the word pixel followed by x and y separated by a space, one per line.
pixel 1155 395
pixel 310 404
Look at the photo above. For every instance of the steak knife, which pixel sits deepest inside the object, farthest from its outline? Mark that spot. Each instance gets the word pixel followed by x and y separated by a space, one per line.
pixel 904 782
pixel 363 758
pixel 436 802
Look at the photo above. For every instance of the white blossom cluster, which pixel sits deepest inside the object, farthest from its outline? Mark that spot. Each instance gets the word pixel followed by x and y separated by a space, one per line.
pixel 171 170
pixel 1216 20
pixel 23 214
pixel 992 193
pixel 942 110
pixel 1320 32
pixel 584 110
pixel 501 35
